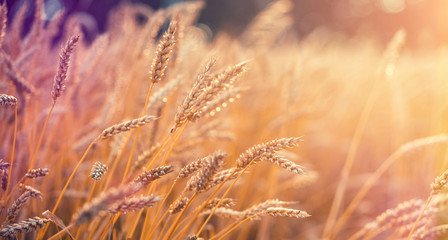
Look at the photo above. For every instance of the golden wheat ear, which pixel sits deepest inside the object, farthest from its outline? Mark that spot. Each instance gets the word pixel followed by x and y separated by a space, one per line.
pixel 28 225
pixel 7 100
pixel 64 62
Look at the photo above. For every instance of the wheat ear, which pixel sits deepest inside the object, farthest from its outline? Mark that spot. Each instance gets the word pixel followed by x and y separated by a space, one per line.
pixel 64 62
pixel 28 225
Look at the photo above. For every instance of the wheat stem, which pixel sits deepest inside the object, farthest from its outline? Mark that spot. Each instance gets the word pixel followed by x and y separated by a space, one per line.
pixel 236 226
pixel 174 225
pixel 420 215
pixel 136 136
pixel 13 149
pixel 436 139
pixel 41 137
pixel 40 236
pixel 222 198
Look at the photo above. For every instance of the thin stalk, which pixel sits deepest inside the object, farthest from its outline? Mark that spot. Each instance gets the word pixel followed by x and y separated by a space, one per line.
pixel 420 216
pixel 237 225
pixel 134 226
pixel 13 189
pixel 435 139
pixel 91 192
pixel 222 198
pixel 225 230
pixel 41 137
pixel 173 226
pixel 205 204
pixel 165 141
pixel 164 158
pixel 59 234
pixel 158 212
pixel 66 186
pixel 111 221
pixel 353 150
pixel 13 149
pixel 128 165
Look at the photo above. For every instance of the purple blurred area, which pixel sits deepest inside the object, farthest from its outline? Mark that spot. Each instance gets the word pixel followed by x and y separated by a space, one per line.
pixel 425 21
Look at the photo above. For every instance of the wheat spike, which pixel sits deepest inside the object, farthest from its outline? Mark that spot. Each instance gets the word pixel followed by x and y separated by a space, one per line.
pixel 257 209
pixel 7 100
pixel 64 62
pixel 220 176
pixel 102 203
pixel 98 170
pixel 28 225
pixel 163 52
pixel 192 167
pixel 284 163
pixel 285 212
pixel 178 205
pixel 133 204
pixel 204 79
pixel 436 232
pixel 4 173
pixel 200 181
pixel 226 203
pixel 3 21
pixel 4 165
pixel 149 176
pixel 125 126
pixel 21 200
pixel 254 153
pixel 394 217
pixel 439 183
pixel 225 213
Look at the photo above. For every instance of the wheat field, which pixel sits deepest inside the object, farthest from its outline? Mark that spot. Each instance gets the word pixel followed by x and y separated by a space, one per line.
pixel 156 131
